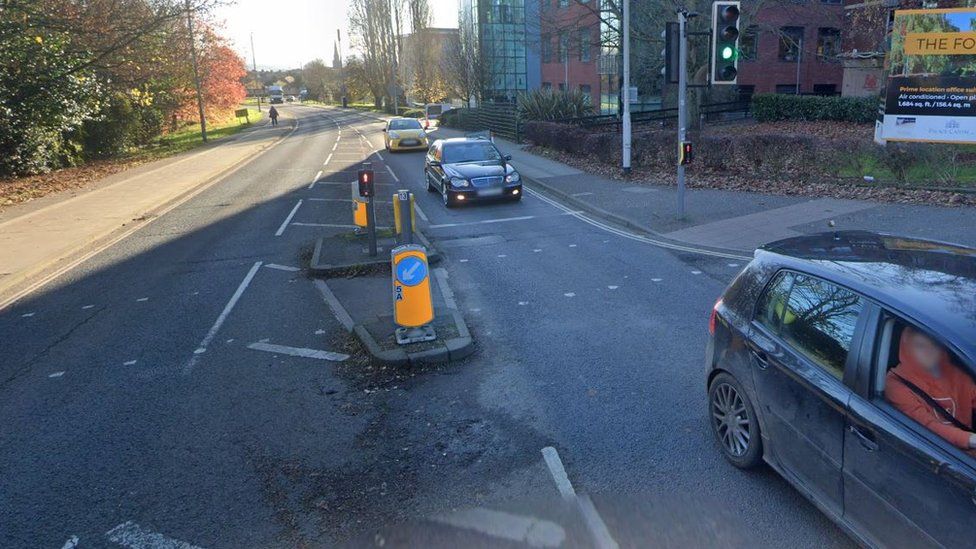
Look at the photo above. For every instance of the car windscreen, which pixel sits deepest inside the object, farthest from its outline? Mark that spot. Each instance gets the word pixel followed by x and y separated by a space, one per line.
pixel 456 153
pixel 405 125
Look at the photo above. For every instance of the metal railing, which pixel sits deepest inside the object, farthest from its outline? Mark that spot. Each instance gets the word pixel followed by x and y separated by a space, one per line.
pixel 501 119
pixel 727 111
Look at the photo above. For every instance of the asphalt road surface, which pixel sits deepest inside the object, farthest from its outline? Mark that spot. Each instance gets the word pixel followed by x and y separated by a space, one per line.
pixel 152 397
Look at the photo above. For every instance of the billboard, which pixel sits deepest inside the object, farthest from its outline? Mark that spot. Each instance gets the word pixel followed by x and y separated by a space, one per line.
pixel 930 93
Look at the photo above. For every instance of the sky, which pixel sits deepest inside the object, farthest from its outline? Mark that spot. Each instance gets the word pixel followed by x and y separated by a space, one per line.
pixel 289 33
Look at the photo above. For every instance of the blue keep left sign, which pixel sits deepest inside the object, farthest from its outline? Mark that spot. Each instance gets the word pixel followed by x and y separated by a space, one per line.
pixel 411 270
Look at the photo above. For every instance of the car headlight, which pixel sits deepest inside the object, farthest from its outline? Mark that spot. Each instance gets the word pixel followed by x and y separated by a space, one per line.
pixel 393 135
pixel 513 177
pixel 459 182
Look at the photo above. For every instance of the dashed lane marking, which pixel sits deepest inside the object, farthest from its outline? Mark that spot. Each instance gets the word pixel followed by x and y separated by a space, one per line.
pixel 86 307
pixel 327 159
pixel 612 287
pixel 569 294
pixel 284 224
pixel 56 374
pixel 71 543
pixel 287 268
pixel 143 299
pixel 393 175
pixel 297 351
pixel 594 523
pixel 221 318
pixel 129 363
pixel 315 179
pixel 130 534
pixel 27 315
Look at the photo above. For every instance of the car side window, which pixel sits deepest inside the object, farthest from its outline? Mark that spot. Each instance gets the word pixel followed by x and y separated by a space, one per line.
pixel 819 321
pixel 769 312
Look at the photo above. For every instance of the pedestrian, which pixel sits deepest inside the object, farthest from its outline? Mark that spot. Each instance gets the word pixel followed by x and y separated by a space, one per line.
pixel 273 113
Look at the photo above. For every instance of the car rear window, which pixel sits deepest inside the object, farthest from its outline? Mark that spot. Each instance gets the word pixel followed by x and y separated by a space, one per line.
pixel 814 317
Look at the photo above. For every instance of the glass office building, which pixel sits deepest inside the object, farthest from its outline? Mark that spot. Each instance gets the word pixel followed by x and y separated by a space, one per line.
pixel 508 35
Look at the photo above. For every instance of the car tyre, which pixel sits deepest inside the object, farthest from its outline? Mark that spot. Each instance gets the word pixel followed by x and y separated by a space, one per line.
pixel 734 422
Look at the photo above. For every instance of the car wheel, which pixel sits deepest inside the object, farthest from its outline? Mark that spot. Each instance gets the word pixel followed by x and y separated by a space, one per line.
pixel 448 203
pixel 430 186
pixel 734 422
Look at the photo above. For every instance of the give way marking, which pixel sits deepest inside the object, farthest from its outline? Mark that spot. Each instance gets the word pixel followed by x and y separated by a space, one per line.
pixel 297 351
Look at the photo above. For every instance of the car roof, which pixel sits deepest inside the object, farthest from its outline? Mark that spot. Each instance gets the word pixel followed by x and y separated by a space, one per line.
pixel 932 283
pixel 465 140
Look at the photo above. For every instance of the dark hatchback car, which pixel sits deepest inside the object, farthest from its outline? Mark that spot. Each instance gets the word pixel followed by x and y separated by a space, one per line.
pixel 802 345
pixel 464 169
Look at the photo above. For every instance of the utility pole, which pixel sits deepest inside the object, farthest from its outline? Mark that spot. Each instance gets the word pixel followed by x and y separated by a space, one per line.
pixel 342 70
pixel 683 17
pixel 254 65
pixel 196 72
pixel 799 61
pixel 625 93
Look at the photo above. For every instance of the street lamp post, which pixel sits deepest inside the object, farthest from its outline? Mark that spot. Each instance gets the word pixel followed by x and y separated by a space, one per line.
pixel 254 66
pixel 625 93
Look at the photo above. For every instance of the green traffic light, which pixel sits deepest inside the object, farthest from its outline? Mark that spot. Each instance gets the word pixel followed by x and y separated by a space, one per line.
pixel 727 52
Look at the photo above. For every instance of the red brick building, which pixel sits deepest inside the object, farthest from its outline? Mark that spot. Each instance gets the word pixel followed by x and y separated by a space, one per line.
pixel 792 46
pixel 569 47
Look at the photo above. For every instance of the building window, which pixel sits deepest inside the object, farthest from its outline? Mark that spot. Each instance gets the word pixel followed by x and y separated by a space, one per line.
pixel 547 86
pixel 825 89
pixel 584 45
pixel 786 88
pixel 563 3
pixel 546 47
pixel 790 42
pixel 828 43
pixel 749 44
pixel 563 47
pixel 745 92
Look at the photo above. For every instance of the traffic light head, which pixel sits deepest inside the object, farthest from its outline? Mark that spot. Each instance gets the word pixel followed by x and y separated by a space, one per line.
pixel 685 153
pixel 366 183
pixel 725 42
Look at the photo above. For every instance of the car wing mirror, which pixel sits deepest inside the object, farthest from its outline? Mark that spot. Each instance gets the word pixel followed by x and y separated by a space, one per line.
pixel 507 158
pixel 384 130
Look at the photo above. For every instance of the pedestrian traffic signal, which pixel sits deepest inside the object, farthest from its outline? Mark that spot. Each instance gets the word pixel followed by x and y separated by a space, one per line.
pixel 685 153
pixel 725 42
pixel 366 183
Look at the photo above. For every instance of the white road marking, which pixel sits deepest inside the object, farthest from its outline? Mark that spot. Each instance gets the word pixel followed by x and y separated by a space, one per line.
pixel 581 194
pixel 572 245
pixel 86 307
pixel 594 523
pixel 502 255
pixel 612 287
pixel 319 332
pixel 499 220
pixel 558 473
pixel 288 268
pixel 656 279
pixel 378 155
pixel 389 169
pixel 130 534
pixel 332 225
pixel 537 250
pixel 326 163
pixel 315 179
pixel 463 260
pixel 71 543
pixel 696 272
pixel 421 213
pixel 27 315
pixel 297 351
pixel 639 238
pixel 523 302
pixel 284 224
pixel 143 299
pixel 531 531
pixel 733 265
pixel 56 374
pixel 336 146
pixel 202 348
pixel 129 363
pixel 569 294
pixel 337 309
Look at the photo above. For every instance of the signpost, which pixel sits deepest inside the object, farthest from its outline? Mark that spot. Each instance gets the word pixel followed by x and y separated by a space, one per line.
pixel 930 93
pixel 413 309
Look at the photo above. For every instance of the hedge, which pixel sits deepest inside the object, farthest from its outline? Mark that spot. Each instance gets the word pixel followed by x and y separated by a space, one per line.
pixel 772 107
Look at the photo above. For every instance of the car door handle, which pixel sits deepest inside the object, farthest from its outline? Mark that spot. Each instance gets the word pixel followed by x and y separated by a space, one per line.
pixel 866 439
pixel 761 359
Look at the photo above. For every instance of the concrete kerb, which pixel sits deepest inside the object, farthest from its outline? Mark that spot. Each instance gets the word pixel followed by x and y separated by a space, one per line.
pixel 448 350
pixel 626 223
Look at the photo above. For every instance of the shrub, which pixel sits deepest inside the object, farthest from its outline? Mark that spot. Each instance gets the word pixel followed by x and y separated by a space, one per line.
pixel 774 107
pixel 563 137
pixel 552 105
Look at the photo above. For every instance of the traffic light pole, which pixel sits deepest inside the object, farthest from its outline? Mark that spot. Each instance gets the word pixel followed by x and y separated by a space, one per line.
pixel 625 92
pixel 682 102
pixel 371 224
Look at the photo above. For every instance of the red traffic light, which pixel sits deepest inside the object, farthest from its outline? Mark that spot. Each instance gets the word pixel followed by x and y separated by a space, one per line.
pixel 730 14
pixel 685 153
pixel 366 183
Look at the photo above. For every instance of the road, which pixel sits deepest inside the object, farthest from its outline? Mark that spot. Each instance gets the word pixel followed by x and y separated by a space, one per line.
pixel 140 404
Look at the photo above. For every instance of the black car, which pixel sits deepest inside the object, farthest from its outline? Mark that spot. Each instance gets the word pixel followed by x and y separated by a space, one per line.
pixel 464 169
pixel 803 361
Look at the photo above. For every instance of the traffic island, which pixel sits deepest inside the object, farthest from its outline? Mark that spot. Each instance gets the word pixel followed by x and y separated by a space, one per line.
pixel 348 253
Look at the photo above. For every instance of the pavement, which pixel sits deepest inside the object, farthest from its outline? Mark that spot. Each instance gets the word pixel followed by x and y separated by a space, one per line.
pixel 189 386
pixel 736 222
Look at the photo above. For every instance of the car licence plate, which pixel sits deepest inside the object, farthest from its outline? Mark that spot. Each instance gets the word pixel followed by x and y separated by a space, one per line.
pixel 409 142
pixel 495 191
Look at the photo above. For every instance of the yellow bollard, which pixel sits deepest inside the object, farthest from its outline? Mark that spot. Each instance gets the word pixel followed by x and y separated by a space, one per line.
pixel 358 207
pixel 413 309
pixel 397 222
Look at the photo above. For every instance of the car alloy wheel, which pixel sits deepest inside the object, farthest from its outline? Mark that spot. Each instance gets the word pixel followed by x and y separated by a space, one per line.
pixel 734 423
